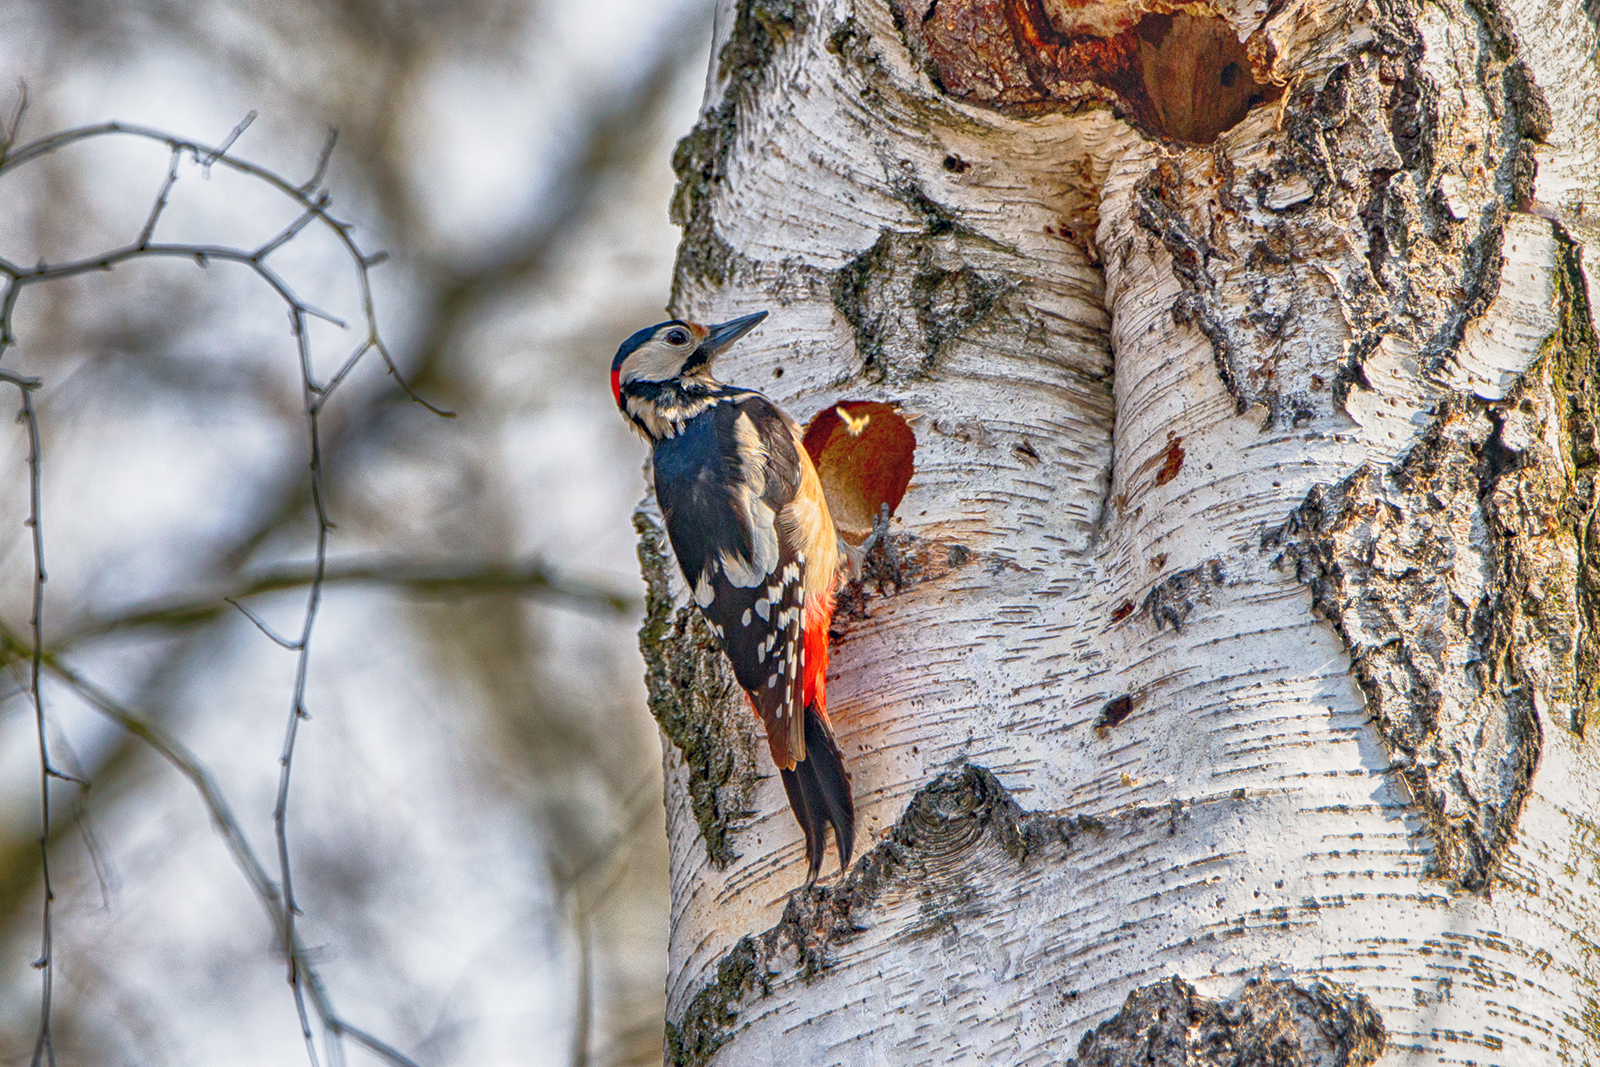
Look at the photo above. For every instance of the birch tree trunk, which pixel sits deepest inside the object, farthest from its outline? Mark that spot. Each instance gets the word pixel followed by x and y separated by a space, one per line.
pixel 1225 700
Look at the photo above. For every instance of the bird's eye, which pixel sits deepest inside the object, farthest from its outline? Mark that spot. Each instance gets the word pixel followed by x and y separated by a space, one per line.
pixel 678 337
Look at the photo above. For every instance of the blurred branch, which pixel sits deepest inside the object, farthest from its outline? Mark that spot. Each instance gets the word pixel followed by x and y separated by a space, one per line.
pixel 450 299
pixel 531 578
pixel 314 396
pixel 44 1050
pixel 244 857
pixel 313 207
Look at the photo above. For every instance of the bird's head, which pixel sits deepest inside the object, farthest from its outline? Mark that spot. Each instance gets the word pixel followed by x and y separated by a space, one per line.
pixel 669 356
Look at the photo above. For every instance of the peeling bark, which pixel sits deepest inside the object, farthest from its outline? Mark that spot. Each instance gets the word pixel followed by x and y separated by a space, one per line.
pixel 1251 534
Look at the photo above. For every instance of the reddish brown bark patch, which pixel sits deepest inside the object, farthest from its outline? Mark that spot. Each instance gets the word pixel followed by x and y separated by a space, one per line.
pixel 1181 76
pixel 863 452
pixel 1171 460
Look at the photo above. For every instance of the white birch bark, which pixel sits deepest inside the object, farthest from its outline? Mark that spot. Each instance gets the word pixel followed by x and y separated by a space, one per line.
pixel 1275 453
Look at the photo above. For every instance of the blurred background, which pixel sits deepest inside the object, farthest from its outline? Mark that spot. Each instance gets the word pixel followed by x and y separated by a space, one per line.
pixel 475 815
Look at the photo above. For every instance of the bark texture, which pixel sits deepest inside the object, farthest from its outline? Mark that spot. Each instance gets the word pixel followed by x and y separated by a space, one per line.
pixel 1224 700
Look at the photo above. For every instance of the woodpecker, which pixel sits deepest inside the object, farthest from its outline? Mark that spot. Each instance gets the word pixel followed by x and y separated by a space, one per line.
pixel 745 513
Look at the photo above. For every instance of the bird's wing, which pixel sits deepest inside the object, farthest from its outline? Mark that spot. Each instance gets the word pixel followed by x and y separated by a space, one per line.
pixel 722 485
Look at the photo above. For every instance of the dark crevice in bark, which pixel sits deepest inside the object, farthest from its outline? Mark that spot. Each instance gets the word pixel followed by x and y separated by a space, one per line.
pixel 958 832
pixel 910 295
pixel 1271 1023
pixel 1158 210
pixel 1433 234
pixel 1439 661
pixel 1382 552
pixel 1172 599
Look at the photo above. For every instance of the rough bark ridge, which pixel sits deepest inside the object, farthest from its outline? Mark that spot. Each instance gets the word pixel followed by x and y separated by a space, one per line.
pixel 1461 663
pixel 927 878
pixel 1341 310
pixel 1271 1022
pixel 694 698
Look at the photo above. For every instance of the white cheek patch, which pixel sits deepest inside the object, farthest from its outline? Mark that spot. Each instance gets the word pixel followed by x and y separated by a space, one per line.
pixel 653 362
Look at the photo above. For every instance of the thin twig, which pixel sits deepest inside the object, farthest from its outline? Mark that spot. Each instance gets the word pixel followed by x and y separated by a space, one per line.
pixel 222 149
pixel 261 624
pixel 186 763
pixel 322 162
pixel 43 1048
pixel 209 155
pixel 161 202
pixel 9 138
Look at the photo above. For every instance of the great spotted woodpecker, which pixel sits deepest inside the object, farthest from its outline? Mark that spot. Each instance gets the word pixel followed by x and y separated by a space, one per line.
pixel 748 522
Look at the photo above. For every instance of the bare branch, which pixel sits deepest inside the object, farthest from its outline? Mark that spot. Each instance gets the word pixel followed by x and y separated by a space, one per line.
pixel 161 202
pixel 292 646
pixel 44 1047
pixel 314 397
pixel 322 162
pixel 530 578
pixel 186 763
pixel 222 149
pixel 9 138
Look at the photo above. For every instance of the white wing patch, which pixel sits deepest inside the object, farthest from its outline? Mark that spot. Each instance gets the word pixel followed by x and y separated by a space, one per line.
pixel 758 515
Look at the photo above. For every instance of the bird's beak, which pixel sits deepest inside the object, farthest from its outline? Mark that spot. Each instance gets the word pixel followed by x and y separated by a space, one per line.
pixel 723 335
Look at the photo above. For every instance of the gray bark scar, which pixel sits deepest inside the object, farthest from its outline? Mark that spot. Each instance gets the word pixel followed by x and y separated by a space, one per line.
pixel 1269 1024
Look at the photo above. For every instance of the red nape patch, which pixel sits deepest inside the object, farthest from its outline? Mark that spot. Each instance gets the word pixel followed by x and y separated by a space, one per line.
pixel 616 385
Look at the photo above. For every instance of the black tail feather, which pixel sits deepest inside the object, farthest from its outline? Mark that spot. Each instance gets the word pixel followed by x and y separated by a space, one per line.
pixel 819 793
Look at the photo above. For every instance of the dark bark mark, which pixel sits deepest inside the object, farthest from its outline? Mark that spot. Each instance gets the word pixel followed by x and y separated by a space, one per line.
pixel 965 821
pixel 1382 552
pixel 911 294
pixel 693 696
pixel 1574 377
pixel 1158 210
pixel 1181 76
pixel 1458 675
pixel 711 1015
pixel 1171 459
pixel 1431 262
pixel 1115 711
pixel 1171 600
pixel 1270 1024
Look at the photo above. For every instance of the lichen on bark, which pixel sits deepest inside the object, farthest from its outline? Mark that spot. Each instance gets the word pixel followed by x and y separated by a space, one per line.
pixel 911 294
pixel 696 701
pixel 1271 1023
pixel 700 161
